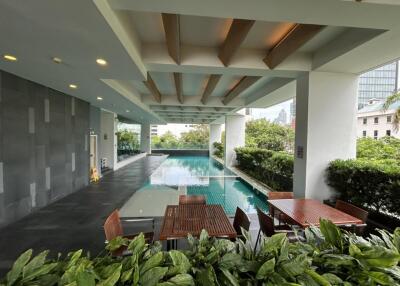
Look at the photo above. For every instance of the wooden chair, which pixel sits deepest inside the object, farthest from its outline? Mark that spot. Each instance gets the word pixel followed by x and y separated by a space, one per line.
pixel 113 228
pixel 240 221
pixel 355 212
pixel 279 196
pixel 268 228
pixel 192 200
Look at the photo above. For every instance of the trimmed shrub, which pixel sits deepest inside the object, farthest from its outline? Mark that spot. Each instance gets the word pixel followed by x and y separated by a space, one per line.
pixel 219 149
pixel 371 184
pixel 273 168
pixel 328 257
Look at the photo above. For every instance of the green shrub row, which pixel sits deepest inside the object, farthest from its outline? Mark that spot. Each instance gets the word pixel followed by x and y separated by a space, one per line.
pixel 219 149
pixel 373 184
pixel 328 257
pixel 273 168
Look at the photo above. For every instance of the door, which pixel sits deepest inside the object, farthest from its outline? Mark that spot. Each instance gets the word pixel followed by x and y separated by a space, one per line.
pixel 93 152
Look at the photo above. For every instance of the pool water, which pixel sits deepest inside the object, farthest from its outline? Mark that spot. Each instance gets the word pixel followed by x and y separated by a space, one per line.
pixel 200 175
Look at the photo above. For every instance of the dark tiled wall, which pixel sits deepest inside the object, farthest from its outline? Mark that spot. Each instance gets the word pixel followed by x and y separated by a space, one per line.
pixel 44 146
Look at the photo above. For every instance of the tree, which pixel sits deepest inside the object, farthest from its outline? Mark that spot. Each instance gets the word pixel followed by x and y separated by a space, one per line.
pixel 165 141
pixel 383 148
pixel 263 134
pixel 389 101
pixel 127 140
pixel 197 137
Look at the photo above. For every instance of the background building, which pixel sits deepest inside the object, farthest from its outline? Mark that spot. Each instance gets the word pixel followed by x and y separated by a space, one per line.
pixel 373 122
pixel 378 83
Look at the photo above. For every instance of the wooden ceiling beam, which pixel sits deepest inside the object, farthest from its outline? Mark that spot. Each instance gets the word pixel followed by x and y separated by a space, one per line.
pixel 211 84
pixel 236 35
pixel 171 24
pixel 151 86
pixel 291 42
pixel 178 86
pixel 244 83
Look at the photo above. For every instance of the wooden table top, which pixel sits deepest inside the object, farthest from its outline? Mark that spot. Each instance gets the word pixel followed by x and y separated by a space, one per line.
pixel 306 212
pixel 181 220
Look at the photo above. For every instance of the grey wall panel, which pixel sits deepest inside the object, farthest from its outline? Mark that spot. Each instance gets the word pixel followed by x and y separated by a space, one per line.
pixel 40 128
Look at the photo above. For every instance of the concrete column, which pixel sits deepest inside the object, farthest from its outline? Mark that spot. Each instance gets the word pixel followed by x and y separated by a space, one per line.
pixel 235 126
pixel 107 140
pixel 145 138
pixel 326 128
pixel 215 136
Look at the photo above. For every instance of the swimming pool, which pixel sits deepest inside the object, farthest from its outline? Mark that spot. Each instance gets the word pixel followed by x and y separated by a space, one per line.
pixel 193 175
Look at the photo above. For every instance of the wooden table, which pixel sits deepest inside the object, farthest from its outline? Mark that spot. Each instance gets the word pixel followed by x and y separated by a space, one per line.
pixel 181 220
pixel 306 212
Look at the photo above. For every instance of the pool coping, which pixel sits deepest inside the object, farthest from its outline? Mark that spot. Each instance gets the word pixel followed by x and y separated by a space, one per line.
pixel 254 183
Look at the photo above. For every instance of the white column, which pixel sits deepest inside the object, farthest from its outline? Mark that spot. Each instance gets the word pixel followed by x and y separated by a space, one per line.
pixel 235 126
pixel 326 128
pixel 145 138
pixel 215 136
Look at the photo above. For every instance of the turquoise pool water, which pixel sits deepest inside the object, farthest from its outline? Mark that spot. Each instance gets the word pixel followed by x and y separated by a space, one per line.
pixel 200 175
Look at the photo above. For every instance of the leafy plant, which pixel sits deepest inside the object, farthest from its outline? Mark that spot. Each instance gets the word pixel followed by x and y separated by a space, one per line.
pixel 328 257
pixel 275 169
pixel 372 184
pixel 219 149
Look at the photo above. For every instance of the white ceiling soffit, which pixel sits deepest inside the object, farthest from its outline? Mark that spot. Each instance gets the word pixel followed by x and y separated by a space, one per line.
pixel 279 95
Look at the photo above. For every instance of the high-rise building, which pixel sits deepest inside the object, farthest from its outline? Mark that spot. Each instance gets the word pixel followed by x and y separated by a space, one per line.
pixel 378 83
pixel 282 117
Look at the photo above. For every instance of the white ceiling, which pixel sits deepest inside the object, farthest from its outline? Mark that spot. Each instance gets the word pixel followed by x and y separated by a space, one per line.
pixel 130 36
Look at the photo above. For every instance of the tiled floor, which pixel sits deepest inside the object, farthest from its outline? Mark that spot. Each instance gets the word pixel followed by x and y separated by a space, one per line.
pixel 75 221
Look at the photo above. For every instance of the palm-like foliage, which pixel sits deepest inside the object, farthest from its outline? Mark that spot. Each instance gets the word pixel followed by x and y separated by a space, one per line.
pixel 389 101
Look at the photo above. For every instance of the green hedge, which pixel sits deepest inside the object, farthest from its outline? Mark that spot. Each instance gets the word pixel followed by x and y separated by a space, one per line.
pixel 219 149
pixel 373 184
pixel 273 168
pixel 328 257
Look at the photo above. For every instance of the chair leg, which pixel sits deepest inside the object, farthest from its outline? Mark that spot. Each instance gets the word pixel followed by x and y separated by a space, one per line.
pixel 258 238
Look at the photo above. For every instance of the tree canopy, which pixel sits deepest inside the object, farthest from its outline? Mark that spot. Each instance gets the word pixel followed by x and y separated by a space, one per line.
pixel 197 138
pixel 263 134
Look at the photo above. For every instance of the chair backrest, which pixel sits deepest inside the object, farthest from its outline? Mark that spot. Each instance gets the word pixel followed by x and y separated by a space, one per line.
pixel 280 195
pixel 192 200
pixel 352 210
pixel 113 226
pixel 241 220
pixel 266 223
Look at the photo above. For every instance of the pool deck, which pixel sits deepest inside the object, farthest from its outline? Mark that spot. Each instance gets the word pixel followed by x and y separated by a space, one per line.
pixel 76 221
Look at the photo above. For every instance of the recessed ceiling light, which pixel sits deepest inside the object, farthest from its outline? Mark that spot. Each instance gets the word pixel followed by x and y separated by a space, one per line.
pixel 101 62
pixel 128 110
pixel 57 60
pixel 10 58
pixel 73 86
pixel 99 98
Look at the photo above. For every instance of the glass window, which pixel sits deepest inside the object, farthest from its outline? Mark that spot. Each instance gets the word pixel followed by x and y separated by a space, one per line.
pixel 389 119
pixel 365 120
pixel 388 132
pixel 376 120
pixel 364 133
pixel 375 134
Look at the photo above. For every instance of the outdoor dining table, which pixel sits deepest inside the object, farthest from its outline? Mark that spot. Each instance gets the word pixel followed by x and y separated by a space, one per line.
pixel 306 212
pixel 181 220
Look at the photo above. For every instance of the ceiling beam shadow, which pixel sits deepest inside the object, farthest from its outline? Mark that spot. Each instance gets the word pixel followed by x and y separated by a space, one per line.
pixel 178 86
pixel 291 42
pixel 244 83
pixel 171 24
pixel 236 35
pixel 211 84
pixel 151 86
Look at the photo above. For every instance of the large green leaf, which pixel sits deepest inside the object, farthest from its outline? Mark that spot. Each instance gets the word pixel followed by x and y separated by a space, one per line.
pixel 18 265
pixel 85 279
pixel 153 276
pixel 154 261
pixel 180 263
pixel 182 280
pixel 229 277
pixel 34 264
pixel 381 278
pixel 266 269
pixel 113 278
pixel 137 245
pixel 332 233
